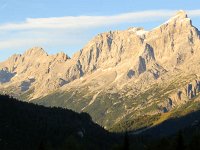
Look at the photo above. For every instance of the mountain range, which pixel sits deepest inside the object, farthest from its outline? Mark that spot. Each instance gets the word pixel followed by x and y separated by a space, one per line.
pixel 126 80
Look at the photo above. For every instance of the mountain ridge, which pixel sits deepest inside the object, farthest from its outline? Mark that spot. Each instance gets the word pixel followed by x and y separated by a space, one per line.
pixel 118 75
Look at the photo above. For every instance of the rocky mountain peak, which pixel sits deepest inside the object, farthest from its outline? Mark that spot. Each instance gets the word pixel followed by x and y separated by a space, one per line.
pixel 175 38
pixel 15 57
pixel 35 51
pixel 181 17
pixel 181 14
pixel 62 56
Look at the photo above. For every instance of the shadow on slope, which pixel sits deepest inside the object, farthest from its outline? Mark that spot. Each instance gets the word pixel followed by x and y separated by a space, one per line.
pixel 6 76
pixel 172 126
pixel 174 134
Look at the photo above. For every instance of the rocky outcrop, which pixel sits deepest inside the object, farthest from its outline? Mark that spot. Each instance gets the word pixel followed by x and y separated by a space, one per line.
pixel 145 59
pixel 190 91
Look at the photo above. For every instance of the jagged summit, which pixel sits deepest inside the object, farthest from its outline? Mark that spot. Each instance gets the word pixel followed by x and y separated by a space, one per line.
pixel 39 52
pixel 36 51
pixel 181 17
pixel 181 14
pixel 62 56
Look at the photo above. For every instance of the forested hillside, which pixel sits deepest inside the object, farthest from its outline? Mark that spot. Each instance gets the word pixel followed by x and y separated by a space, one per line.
pixel 25 126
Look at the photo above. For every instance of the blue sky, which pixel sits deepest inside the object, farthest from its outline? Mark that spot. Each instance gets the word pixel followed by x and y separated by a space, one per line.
pixel 64 25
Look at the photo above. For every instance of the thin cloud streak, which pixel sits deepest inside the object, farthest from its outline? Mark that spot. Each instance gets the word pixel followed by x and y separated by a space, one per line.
pixel 193 13
pixel 81 22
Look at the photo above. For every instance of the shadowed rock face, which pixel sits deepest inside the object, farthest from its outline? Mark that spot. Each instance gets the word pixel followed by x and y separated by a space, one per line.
pixel 142 65
pixel 130 73
pixel 25 85
pixel 6 76
pixel 186 93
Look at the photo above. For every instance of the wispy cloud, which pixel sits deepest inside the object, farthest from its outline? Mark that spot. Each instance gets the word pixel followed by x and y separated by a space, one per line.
pixel 73 22
pixel 88 21
pixel 194 13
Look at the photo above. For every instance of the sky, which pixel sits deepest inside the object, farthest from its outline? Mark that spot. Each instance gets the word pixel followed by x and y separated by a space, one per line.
pixel 67 25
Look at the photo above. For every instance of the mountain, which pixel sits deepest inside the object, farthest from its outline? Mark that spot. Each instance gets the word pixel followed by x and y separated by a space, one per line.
pixel 125 80
pixel 27 126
